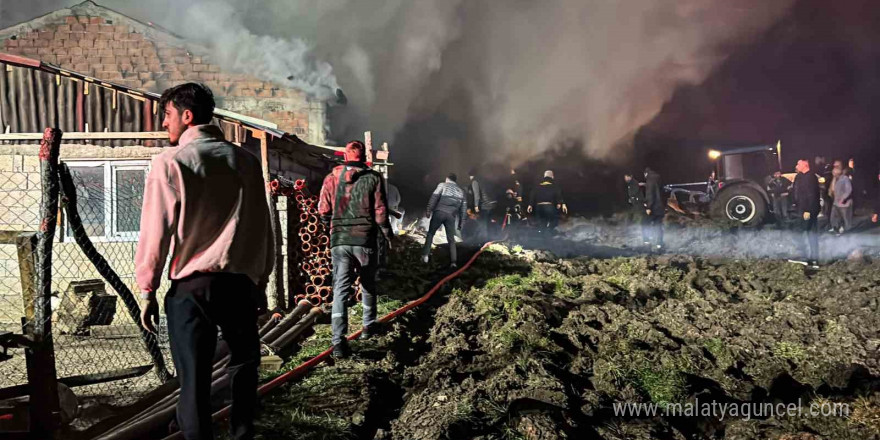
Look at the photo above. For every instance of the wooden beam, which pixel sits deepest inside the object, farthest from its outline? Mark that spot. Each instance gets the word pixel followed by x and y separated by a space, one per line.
pixel 84 136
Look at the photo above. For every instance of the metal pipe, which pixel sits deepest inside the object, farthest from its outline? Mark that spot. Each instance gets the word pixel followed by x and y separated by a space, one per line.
pixel 270 324
pixel 302 307
pixel 290 337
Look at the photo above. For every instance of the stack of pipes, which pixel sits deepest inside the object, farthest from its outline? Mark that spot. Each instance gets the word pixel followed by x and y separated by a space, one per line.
pixel 278 335
pixel 314 267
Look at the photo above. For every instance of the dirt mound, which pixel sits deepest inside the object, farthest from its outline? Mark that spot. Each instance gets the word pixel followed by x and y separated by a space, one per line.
pixel 527 345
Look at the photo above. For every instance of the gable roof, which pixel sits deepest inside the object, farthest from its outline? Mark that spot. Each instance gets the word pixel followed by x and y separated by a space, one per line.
pixel 89 8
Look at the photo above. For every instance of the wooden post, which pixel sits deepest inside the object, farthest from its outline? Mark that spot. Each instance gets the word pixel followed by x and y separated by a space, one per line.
pixel 44 405
pixel 276 284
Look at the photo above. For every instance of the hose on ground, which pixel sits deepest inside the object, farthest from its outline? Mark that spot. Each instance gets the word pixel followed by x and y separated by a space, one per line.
pixel 304 368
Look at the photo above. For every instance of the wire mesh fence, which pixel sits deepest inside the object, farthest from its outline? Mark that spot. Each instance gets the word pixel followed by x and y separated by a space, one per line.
pixel 99 347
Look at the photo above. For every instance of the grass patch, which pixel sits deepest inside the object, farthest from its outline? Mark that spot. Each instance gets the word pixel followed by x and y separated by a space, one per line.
pixel 662 385
pixel 790 350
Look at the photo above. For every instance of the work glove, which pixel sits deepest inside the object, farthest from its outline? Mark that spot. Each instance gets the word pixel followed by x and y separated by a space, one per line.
pixel 806 216
pixel 149 312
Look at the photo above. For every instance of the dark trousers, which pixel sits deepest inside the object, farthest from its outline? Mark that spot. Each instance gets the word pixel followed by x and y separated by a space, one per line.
pixel 447 220
pixel 652 228
pixel 811 229
pixel 484 220
pixel 548 217
pixel 780 208
pixel 195 307
pixel 348 263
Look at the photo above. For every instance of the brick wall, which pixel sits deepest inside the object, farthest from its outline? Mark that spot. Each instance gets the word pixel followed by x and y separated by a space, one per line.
pixel 114 51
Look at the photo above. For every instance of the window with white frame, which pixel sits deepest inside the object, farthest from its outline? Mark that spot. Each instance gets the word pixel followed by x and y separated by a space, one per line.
pixel 109 195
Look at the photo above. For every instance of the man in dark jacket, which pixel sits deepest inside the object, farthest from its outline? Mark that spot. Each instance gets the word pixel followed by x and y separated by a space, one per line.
pixel 354 203
pixel 806 198
pixel 634 197
pixel 778 188
pixel 655 210
pixel 446 207
pixel 547 201
pixel 483 204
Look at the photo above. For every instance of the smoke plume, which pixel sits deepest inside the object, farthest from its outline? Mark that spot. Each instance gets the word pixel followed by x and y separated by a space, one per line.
pixel 502 80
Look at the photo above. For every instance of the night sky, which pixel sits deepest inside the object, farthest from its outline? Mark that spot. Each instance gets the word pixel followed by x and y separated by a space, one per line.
pixel 811 81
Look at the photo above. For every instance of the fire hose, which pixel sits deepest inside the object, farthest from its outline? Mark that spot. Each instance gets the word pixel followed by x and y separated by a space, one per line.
pixel 304 368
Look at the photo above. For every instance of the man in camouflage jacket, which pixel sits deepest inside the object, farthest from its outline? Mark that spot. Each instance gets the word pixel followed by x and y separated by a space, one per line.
pixel 355 205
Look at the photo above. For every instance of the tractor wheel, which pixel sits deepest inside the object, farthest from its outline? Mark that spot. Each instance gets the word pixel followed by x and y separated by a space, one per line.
pixel 740 203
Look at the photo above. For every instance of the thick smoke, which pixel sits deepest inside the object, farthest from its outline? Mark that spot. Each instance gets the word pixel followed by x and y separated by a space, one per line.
pixel 509 79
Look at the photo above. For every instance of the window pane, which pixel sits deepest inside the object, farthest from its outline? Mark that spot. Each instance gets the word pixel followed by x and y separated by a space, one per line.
pixel 129 199
pixel 89 182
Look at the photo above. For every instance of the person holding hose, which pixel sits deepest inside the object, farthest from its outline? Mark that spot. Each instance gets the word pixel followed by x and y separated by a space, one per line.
pixel 353 202
pixel 205 203
pixel 546 202
pixel 446 206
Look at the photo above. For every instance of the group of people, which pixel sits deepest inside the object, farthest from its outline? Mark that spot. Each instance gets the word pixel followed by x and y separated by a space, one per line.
pixel 837 193
pixel 450 207
pixel 205 205
pixel 648 209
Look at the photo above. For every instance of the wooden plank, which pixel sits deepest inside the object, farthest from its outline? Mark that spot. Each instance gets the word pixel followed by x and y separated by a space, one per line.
pixel 84 136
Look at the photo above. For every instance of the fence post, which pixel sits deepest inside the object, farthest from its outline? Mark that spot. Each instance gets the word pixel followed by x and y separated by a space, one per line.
pixel 276 281
pixel 44 405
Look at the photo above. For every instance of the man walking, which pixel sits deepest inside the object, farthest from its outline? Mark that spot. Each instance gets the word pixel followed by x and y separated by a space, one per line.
pixel 354 203
pixel 205 202
pixel 483 204
pixel 446 206
pixel 655 210
pixel 806 198
pixel 547 201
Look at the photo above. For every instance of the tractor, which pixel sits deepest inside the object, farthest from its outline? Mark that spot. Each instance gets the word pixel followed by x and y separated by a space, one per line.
pixel 739 190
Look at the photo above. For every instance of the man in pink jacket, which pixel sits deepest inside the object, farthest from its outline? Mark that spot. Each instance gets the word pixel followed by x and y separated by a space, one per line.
pixel 205 205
